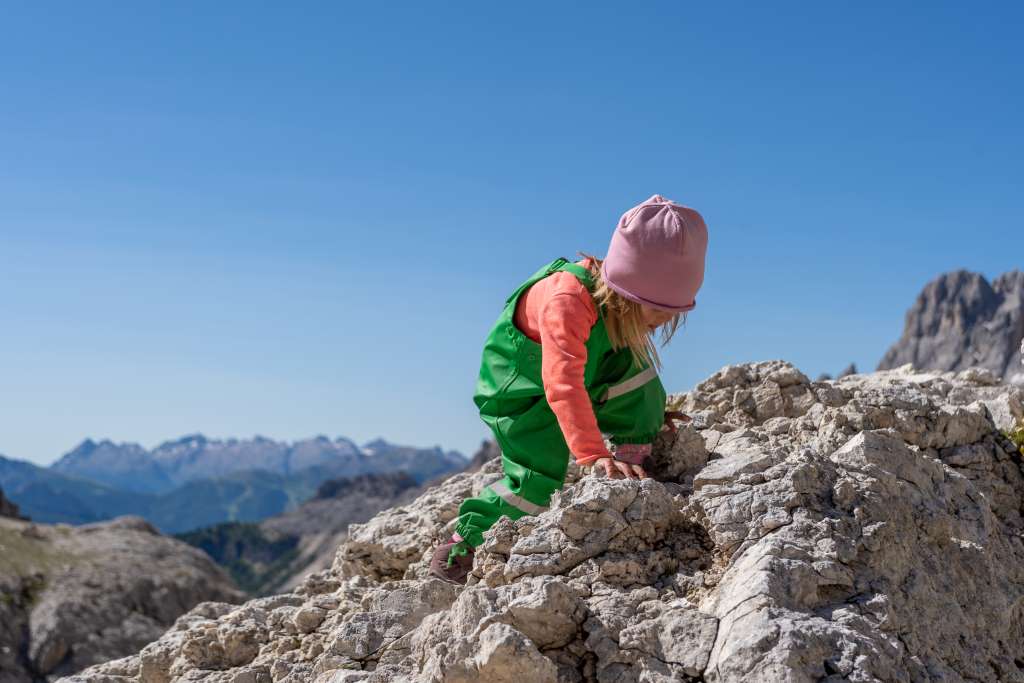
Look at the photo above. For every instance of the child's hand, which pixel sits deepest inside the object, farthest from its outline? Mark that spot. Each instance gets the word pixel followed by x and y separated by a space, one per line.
pixel 671 415
pixel 616 469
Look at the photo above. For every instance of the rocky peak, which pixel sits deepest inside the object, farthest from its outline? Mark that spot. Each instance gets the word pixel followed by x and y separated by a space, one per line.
pixel 959 321
pixel 377 444
pixel 1010 284
pixel 866 528
pixel 85 448
pixel 188 441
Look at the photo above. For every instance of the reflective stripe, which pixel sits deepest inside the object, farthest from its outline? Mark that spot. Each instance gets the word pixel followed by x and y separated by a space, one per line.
pixel 515 501
pixel 634 382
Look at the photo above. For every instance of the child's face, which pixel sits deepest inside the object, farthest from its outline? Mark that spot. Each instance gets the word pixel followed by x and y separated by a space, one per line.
pixel 654 317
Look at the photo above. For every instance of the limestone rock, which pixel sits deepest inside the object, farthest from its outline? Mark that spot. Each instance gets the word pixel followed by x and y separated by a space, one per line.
pixel 865 528
pixel 77 596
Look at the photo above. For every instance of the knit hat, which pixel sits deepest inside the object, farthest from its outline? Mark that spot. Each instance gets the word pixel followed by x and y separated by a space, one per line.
pixel 656 256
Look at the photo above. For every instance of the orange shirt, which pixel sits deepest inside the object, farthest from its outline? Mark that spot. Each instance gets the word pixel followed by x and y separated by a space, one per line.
pixel 557 312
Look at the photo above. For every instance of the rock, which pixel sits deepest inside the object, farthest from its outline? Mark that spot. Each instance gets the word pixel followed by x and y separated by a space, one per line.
pixel 865 528
pixel 507 656
pixel 679 636
pixel 678 456
pixel 309 618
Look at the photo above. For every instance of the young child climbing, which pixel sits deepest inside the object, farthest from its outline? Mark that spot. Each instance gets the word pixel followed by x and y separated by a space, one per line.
pixel 571 359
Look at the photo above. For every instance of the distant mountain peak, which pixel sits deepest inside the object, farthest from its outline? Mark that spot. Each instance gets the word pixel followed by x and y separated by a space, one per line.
pixel 376 446
pixel 87 446
pixel 960 320
pixel 189 440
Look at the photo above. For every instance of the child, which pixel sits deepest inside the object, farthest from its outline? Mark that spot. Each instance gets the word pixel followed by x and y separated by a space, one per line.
pixel 571 358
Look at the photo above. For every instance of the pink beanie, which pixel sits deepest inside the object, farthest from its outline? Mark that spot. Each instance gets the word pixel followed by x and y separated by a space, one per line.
pixel 656 256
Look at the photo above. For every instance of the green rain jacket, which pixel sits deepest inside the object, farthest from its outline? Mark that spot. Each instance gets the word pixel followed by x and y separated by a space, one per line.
pixel 628 400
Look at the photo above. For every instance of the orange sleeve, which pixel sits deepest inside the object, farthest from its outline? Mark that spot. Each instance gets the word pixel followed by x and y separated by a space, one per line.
pixel 566 317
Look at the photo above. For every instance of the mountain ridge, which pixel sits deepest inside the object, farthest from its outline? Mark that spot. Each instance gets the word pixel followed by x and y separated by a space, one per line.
pixel 130 466
pixel 100 479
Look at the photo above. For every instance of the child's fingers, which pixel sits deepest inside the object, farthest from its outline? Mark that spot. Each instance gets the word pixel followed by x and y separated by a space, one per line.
pixel 626 469
pixel 616 469
pixel 609 468
pixel 672 415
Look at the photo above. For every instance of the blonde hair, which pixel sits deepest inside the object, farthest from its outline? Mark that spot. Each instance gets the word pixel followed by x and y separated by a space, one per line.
pixel 623 318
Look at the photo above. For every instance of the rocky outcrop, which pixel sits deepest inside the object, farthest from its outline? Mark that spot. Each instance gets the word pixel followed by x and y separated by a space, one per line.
pixel 8 508
pixel 959 321
pixel 75 596
pixel 867 528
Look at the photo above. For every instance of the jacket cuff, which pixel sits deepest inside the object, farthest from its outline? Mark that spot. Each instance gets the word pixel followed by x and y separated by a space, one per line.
pixel 585 460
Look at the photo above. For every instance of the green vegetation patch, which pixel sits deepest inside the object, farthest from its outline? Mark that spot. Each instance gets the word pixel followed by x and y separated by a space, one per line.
pixel 1016 435
pixel 253 560
pixel 24 555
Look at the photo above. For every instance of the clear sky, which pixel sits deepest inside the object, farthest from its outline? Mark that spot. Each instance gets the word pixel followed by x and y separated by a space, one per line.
pixel 293 219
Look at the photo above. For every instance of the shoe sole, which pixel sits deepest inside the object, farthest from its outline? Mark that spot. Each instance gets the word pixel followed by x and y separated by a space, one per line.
pixel 446 579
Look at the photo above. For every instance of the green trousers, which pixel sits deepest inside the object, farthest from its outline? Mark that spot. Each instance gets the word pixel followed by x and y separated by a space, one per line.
pixel 628 401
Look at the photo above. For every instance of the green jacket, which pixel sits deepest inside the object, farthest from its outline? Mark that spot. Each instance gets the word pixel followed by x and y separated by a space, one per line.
pixel 628 400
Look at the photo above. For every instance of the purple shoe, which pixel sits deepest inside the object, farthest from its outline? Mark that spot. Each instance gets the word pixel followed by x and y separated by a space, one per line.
pixel 452 561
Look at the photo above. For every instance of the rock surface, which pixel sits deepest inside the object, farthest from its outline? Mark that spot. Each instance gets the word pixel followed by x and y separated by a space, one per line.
pixel 959 321
pixel 862 529
pixel 71 596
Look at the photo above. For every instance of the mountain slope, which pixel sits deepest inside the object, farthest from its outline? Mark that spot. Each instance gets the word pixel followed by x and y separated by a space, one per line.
pixel 272 555
pixel 75 596
pixel 48 496
pixel 8 508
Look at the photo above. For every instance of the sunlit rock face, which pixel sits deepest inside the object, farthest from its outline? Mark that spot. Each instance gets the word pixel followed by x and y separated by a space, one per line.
pixel 867 528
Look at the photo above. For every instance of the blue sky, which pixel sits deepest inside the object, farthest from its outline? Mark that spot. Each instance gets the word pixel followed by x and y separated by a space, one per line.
pixel 293 219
